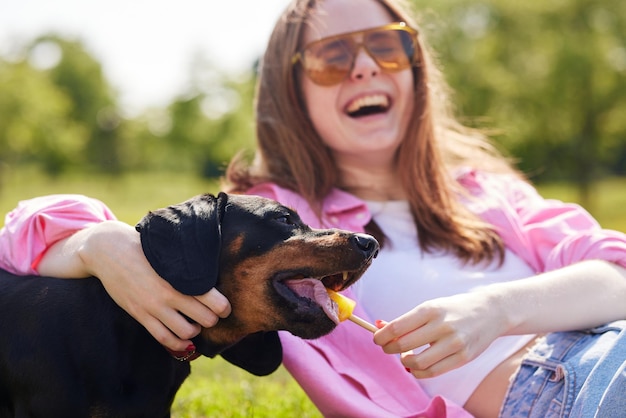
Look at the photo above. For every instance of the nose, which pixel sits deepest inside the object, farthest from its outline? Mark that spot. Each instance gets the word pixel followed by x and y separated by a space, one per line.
pixel 364 65
pixel 367 244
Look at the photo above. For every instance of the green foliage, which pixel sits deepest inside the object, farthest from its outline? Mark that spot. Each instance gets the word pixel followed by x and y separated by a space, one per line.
pixel 80 77
pixel 63 114
pixel 35 121
pixel 549 75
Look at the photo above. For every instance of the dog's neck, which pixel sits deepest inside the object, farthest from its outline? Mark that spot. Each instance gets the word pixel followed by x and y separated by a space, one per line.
pixel 201 347
pixel 212 341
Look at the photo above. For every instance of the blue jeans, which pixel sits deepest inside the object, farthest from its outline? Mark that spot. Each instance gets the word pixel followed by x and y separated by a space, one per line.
pixel 572 374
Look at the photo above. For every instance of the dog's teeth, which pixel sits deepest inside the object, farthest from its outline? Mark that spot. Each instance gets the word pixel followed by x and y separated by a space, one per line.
pixel 345 276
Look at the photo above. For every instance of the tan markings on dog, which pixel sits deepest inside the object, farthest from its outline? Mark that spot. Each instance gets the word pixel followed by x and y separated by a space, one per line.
pixel 234 247
pixel 253 308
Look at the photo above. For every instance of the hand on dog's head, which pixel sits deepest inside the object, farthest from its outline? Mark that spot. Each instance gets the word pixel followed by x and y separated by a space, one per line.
pixel 183 242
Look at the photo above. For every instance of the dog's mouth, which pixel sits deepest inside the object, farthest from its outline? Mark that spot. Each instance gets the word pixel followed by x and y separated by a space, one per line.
pixel 310 292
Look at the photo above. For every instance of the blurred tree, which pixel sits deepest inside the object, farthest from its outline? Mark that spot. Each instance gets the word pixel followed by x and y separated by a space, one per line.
pixel 35 120
pixel 211 121
pixel 93 103
pixel 549 74
pixel 57 109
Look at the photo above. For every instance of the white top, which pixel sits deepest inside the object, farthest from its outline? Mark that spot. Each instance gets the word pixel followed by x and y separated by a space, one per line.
pixel 402 277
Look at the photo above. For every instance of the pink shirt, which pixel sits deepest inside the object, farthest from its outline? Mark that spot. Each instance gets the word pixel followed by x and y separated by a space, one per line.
pixel 344 373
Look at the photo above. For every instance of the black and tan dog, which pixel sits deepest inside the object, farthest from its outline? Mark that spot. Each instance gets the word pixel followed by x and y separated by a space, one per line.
pixel 67 350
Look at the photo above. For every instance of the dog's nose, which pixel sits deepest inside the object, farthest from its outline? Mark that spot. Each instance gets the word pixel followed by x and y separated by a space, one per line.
pixel 366 243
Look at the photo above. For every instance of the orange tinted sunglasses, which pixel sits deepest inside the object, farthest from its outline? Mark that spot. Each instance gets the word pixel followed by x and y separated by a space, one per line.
pixel 330 60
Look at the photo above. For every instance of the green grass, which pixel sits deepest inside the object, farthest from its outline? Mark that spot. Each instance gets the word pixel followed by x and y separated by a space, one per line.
pixel 216 388
pixel 219 389
pixel 130 196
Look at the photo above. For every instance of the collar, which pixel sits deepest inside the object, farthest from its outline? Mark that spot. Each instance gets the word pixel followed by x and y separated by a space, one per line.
pixel 346 211
pixel 184 356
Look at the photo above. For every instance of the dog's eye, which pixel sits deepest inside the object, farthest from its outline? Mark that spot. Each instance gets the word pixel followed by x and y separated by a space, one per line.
pixel 285 218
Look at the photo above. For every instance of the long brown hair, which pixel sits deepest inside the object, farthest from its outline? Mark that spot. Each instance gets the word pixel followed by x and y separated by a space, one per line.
pixel 291 154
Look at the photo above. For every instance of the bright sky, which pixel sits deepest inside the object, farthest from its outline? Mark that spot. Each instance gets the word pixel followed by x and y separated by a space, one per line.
pixel 146 46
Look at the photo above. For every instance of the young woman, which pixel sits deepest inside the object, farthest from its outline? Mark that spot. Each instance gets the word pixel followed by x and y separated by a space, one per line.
pixel 489 297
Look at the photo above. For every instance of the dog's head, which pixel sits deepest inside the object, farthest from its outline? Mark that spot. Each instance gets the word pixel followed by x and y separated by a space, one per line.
pixel 272 267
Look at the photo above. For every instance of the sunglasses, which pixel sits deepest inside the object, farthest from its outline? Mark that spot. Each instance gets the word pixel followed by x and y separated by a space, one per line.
pixel 329 61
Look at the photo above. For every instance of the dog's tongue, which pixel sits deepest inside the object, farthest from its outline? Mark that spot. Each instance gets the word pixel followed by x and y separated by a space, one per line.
pixel 314 289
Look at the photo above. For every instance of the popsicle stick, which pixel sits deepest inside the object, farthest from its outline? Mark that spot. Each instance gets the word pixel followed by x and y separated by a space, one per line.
pixel 363 323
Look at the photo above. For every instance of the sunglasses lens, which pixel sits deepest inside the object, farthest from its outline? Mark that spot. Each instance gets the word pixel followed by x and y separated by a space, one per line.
pixel 393 50
pixel 329 61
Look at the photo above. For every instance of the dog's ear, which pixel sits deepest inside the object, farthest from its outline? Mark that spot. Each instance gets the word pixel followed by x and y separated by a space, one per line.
pixel 260 353
pixel 182 242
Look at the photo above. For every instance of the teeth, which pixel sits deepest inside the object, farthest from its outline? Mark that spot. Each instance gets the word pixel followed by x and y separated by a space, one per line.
pixel 373 100
pixel 345 276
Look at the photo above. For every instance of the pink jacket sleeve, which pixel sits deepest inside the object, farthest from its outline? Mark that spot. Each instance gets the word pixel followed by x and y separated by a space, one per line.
pixel 35 224
pixel 547 233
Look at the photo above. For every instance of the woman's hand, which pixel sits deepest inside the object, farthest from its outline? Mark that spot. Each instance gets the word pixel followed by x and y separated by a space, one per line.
pixel 451 331
pixel 458 328
pixel 112 252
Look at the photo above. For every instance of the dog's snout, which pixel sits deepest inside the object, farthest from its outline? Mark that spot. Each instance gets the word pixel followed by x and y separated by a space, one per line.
pixel 366 243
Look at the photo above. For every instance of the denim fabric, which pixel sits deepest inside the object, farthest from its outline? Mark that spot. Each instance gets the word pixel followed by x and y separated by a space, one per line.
pixel 572 374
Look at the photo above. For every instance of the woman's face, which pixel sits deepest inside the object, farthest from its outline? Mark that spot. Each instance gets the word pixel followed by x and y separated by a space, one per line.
pixel 337 111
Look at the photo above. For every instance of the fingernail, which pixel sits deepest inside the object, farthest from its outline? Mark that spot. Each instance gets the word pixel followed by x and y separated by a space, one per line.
pixel 380 323
pixel 191 347
pixel 407 369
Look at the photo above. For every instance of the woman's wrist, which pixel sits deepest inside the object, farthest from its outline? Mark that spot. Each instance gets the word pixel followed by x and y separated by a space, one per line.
pixel 503 308
pixel 103 245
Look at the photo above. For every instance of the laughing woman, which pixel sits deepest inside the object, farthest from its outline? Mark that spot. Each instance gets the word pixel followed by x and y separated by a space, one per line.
pixel 491 300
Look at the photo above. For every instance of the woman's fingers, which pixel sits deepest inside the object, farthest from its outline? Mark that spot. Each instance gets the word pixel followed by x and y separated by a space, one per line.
pixel 216 302
pixel 156 308
pixel 416 338
pixel 423 367
pixel 166 334
pixel 171 309
pixel 411 330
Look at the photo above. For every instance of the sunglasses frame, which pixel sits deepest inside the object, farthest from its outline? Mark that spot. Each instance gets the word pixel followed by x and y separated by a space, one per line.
pixel 395 26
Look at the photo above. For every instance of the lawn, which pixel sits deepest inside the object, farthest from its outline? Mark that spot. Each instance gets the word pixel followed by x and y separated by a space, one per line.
pixel 215 388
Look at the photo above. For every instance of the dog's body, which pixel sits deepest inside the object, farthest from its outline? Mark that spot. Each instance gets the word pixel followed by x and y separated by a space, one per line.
pixel 66 348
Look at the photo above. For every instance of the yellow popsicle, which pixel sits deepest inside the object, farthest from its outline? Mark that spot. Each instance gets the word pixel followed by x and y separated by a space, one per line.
pixel 345 307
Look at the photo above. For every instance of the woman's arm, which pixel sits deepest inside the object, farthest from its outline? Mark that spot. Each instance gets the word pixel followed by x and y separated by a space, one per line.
pixel 62 236
pixel 583 295
pixel 36 224
pixel 460 327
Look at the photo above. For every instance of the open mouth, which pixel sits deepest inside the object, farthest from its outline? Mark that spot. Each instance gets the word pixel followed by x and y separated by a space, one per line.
pixel 310 292
pixel 368 105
